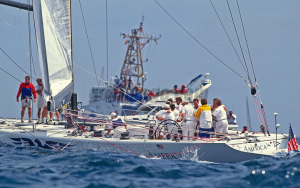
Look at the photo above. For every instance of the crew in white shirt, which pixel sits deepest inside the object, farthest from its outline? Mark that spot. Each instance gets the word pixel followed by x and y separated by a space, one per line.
pixel 195 109
pixel 220 114
pixel 116 124
pixel 41 101
pixel 179 104
pixel 160 116
pixel 173 115
pixel 231 118
pixel 188 128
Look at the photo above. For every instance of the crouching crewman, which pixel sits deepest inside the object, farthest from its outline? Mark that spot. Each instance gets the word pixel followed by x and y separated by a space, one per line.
pixel 117 124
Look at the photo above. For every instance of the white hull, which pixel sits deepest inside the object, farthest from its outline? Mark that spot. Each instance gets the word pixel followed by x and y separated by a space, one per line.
pixel 205 150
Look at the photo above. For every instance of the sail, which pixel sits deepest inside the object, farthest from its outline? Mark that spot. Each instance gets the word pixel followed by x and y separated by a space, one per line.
pixel 53 32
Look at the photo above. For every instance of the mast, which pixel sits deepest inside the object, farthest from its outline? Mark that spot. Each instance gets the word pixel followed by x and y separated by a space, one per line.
pixel 133 63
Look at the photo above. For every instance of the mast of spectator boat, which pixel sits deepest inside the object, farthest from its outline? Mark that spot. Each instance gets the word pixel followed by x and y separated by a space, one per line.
pixel 133 63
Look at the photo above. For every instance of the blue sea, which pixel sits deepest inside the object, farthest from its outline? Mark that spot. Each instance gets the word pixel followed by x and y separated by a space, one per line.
pixel 35 167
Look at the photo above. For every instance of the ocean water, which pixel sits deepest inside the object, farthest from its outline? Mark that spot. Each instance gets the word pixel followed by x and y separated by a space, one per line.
pixel 35 167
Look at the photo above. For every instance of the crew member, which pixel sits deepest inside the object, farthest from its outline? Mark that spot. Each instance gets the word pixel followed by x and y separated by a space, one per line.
pixel 183 90
pixel 175 89
pixel 41 101
pixel 118 124
pixel 122 92
pixel 27 89
pixel 179 105
pixel 231 118
pixel 159 118
pixel 151 95
pixel 213 107
pixel 117 80
pixel 172 117
pixel 170 100
pixel 220 114
pixel 196 120
pixel 51 117
pixel 204 113
pixel 188 128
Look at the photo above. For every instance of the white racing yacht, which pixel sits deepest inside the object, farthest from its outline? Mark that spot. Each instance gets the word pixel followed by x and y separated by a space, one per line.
pixel 82 131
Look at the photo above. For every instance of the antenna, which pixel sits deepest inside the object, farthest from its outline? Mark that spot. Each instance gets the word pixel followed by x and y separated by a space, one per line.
pixel 133 63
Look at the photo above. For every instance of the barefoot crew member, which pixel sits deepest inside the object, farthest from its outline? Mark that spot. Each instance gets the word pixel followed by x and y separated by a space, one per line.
pixel 27 89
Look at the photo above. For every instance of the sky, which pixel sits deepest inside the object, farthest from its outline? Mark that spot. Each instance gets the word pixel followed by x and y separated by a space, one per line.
pixel 271 27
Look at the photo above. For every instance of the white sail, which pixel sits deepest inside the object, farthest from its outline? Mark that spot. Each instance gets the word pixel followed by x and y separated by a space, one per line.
pixel 53 32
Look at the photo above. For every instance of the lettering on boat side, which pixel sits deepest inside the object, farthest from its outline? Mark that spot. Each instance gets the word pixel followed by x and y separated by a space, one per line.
pixel 257 147
pixel 38 143
pixel 165 155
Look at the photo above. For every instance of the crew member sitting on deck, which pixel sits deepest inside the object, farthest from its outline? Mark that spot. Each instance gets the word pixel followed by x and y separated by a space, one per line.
pixel 231 118
pixel 204 113
pixel 117 124
pixel 27 90
pixel 220 114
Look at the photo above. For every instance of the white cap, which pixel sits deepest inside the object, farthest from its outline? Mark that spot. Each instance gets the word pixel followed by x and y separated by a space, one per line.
pixel 183 101
pixel 113 114
pixel 166 106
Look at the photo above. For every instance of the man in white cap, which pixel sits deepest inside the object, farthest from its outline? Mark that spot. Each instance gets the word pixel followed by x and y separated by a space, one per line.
pixel 117 124
pixel 188 128
pixel 160 116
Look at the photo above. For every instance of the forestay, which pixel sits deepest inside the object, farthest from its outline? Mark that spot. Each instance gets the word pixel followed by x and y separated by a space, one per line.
pixel 53 32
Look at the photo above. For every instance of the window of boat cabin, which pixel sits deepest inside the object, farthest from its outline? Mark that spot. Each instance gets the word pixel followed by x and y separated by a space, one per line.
pixel 98 94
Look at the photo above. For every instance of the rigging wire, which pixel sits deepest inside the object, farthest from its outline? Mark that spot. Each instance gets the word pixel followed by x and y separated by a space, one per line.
pixel 106 24
pixel 228 36
pixel 10 75
pixel 239 42
pixel 16 29
pixel 199 42
pixel 15 62
pixel 246 41
pixel 87 36
pixel 106 27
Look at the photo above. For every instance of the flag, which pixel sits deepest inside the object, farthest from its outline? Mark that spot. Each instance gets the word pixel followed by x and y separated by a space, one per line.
pixel 292 144
pixel 160 146
pixel 140 29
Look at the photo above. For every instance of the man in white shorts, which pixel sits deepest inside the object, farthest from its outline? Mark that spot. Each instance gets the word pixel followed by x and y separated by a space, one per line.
pixel 27 90
pixel 220 114
pixel 41 101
